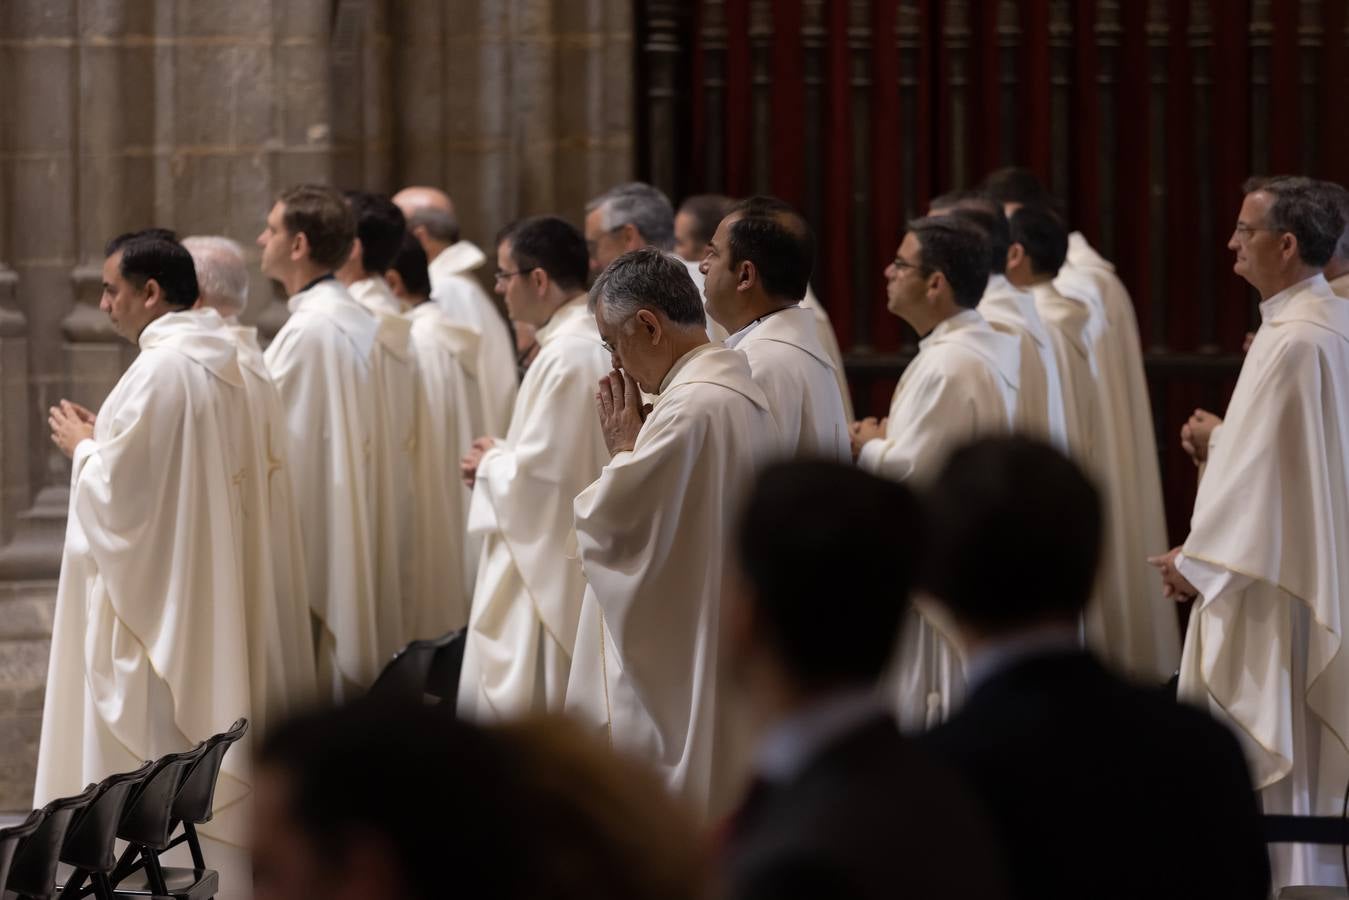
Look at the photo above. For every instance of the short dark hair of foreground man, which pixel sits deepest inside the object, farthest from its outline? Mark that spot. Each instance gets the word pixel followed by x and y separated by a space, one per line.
pixel 842 806
pixel 372 801
pixel 1099 788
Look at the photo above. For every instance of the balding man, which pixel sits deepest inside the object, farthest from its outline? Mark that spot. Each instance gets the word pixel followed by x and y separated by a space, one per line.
pixel 653 528
pixel 280 636
pixel 431 219
pixel 696 222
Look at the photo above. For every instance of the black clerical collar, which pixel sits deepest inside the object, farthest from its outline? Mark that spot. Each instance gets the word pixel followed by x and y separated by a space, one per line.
pixel 326 276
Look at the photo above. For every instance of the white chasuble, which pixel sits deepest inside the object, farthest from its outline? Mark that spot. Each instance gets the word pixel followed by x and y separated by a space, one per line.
pixel 829 341
pixel 528 597
pixel 798 378
pixel 1265 646
pixel 320 361
pixel 446 403
pixel 1126 447
pixel 652 533
pixel 150 644
pixel 280 627
pixel 961 385
pixel 466 303
pixel 1040 408
pixel 393 368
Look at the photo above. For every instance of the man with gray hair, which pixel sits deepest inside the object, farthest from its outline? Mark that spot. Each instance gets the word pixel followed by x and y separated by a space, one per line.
pixel 280 634
pixel 652 529
pixel 1337 270
pixel 432 221
pixel 1264 651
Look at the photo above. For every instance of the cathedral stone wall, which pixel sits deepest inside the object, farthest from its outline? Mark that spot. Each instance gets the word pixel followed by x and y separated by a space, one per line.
pixel 194 115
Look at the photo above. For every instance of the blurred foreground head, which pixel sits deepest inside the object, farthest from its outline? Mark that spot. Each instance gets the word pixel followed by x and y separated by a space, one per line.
pixel 409 802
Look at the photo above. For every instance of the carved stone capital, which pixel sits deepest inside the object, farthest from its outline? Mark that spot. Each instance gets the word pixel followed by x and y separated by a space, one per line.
pixel 86 323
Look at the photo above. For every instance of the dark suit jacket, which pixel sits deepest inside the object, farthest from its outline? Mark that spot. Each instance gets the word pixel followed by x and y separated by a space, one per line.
pixel 1103 789
pixel 871 816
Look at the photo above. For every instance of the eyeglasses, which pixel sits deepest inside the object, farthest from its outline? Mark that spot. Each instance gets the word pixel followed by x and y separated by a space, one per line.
pixel 900 264
pixel 594 245
pixel 501 276
pixel 1245 232
pixel 610 348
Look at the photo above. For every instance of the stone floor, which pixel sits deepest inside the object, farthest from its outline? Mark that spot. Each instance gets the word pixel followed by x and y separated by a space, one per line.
pixel 25 638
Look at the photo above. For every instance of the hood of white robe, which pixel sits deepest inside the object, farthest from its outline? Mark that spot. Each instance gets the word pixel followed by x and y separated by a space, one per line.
pixel 1316 303
pixel 572 317
pixel 1006 303
pixel 461 340
pixel 375 295
pixel 330 300
pixel 456 259
pixel 971 330
pixel 1341 285
pixel 1084 256
pixel 201 336
pixel 794 326
pixel 714 364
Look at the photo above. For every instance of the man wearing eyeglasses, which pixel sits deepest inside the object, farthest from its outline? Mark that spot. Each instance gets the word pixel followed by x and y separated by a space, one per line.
pixel 522 628
pixel 963 384
pixel 1265 560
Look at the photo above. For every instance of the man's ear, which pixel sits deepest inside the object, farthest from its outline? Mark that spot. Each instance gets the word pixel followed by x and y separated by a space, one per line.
pixel 935 281
pixel 355 254
pixel 395 281
pixel 1015 255
pixel 539 278
pixel 632 238
pixel 650 325
pixel 746 276
pixel 1288 246
pixel 154 294
pixel 299 246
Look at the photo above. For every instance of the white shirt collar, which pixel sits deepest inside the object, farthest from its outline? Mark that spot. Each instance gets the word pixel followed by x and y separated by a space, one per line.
pixel 791 745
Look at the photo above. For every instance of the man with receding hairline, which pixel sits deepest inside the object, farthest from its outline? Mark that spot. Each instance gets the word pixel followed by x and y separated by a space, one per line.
pixel 431 219
pixel 653 529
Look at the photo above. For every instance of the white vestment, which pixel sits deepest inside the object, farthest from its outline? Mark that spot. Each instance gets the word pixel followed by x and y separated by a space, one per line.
pixel 446 399
pixel 961 385
pixel 652 533
pixel 460 295
pixel 320 361
pixel 829 341
pixel 1341 285
pixel 1264 649
pixel 280 627
pixel 1040 408
pixel 528 597
pixel 797 376
pixel 1126 448
pixel 150 644
pixel 393 366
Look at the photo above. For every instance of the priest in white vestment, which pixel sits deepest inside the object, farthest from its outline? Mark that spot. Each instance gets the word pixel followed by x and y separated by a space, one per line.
pixel 962 384
pixel 518 651
pixel 280 629
pixel 321 363
pixel 446 353
pixel 1126 442
pixel 1264 559
pixel 150 645
pixel 1337 270
pixel 651 532
pixel 431 219
pixel 757 270
pixel 380 227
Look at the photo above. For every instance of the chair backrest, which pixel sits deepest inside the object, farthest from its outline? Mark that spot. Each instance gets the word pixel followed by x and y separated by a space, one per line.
pixel 404 679
pixel 443 679
pixel 91 839
pixel 33 872
pixel 195 796
pixel 10 838
pixel 148 820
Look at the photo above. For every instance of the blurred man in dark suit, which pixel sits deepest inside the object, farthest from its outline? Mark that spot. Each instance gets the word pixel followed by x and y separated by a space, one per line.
pixel 1098 788
pixel 841 805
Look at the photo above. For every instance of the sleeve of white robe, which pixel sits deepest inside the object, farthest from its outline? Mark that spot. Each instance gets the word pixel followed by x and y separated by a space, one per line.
pixel 932 411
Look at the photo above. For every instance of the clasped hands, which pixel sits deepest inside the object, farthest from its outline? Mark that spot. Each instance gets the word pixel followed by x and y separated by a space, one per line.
pixel 70 423
pixel 468 466
pixel 619 404
pixel 867 429
pixel 1195 434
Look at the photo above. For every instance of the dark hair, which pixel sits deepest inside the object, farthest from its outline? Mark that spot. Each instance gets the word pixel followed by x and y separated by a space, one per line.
pixel 1015 534
pixel 1015 184
pixel 1340 197
pixel 323 216
pixel 380 226
pixel 957 249
pixel 1042 234
pixel 773 236
pixel 440 224
pixel 163 234
pixel 814 530
pixel 146 257
pixel 707 211
pixel 1304 209
pixel 649 277
pixel 989 219
pixel 551 244
pixel 410 264
pixel 641 205
pixel 952 199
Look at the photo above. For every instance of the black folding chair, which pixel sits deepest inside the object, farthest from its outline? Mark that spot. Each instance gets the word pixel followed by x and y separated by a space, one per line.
pixel 1328 830
pixel 443 679
pixel 10 838
pixel 406 677
pixel 90 845
pixel 147 826
pixel 192 806
pixel 33 872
